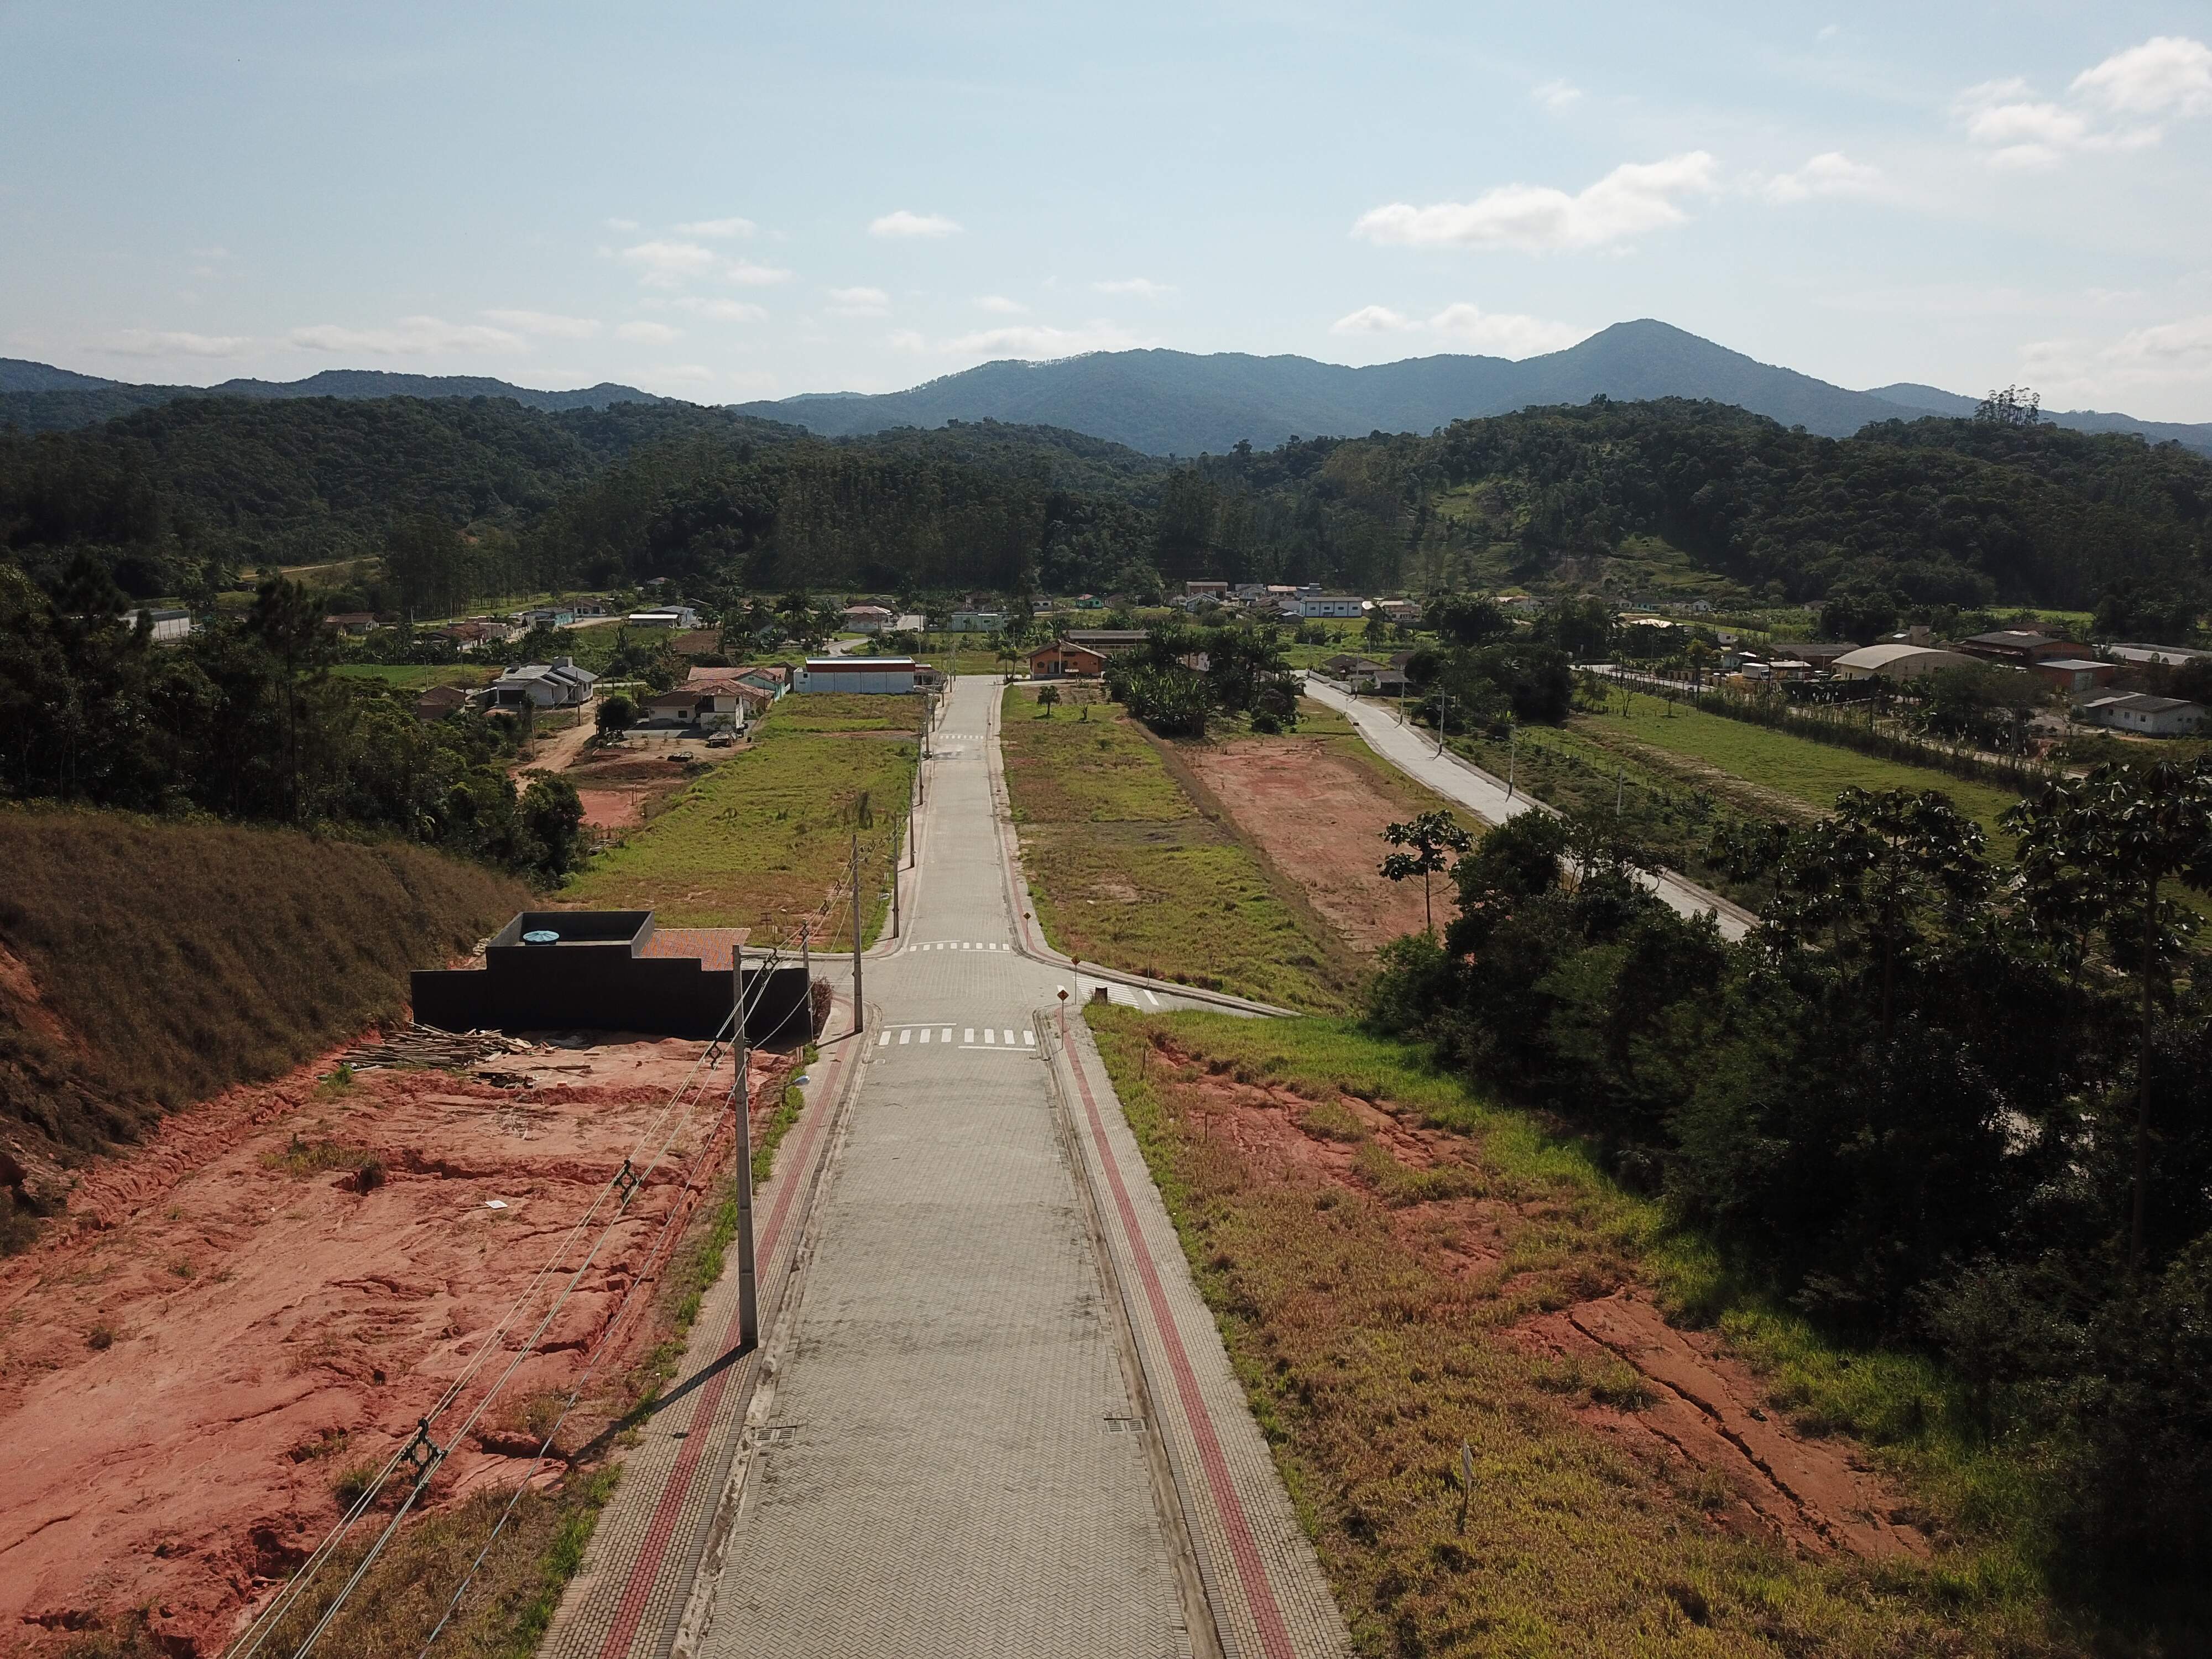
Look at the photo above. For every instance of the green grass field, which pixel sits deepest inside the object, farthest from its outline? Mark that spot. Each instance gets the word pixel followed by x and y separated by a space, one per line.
pixel 1813 773
pixel 847 711
pixel 416 676
pixel 1127 873
pixel 759 840
pixel 1369 1352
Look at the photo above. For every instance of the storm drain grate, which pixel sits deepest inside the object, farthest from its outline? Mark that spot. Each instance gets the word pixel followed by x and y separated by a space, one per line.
pixel 778 1434
pixel 1125 1425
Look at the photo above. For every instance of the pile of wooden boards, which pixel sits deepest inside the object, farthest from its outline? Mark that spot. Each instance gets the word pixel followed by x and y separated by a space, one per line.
pixel 428 1047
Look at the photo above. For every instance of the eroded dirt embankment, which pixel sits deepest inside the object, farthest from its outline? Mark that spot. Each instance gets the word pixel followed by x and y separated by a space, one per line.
pixel 232 1318
pixel 1697 1413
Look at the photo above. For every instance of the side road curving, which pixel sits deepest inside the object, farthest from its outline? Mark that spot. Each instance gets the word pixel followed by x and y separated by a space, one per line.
pixel 1489 800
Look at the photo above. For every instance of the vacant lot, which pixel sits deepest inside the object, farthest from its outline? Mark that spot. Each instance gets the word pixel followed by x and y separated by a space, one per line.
pixel 1127 871
pixel 416 676
pixel 1401 1271
pixel 762 838
pixel 1315 805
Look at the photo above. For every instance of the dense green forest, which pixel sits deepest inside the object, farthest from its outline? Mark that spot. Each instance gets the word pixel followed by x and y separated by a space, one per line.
pixel 1925 513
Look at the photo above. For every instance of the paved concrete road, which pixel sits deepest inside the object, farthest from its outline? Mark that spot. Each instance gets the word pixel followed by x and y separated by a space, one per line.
pixel 1486 796
pixel 955 1458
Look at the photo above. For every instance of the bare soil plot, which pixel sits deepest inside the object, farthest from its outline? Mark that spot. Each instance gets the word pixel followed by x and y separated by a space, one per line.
pixel 1318 816
pixel 241 1318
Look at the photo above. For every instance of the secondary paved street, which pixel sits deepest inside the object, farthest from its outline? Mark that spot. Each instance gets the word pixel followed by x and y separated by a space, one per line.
pixel 996 1418
pixel 1486 796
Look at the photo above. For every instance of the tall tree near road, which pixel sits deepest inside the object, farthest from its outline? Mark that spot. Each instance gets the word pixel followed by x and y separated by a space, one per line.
pixel 2092 852
pixel 1431 837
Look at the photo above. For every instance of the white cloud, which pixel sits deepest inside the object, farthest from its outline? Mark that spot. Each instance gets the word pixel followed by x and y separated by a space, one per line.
pixel 2168 363
pixel 721 311
pixel 1557 96
pixel 1143 288
pixel 2114 106
pixel 717 229
pixel 620 224
pixel 174 343
pixel 858 302
pixel 648 333
pixel 2167 73
pixel 1510 334
pixel 760 382
pixel 745 274
pixel 1831 174
pixel 551 324
pixel 1000 304
pixel 1372 320
pixel 1635 197
pixel 903 223
pixel 409 336
pixel 1041 340
pixel 693 372
pixel 907 339
pixel 1827 32
pixel 669 265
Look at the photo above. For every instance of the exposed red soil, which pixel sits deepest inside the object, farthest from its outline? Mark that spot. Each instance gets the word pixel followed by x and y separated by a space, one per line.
pixel 1706 1415
pixel 1320 818
pixel 207 1339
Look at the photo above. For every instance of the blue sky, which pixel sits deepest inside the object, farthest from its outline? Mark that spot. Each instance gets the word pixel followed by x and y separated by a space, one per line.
pixel 729 202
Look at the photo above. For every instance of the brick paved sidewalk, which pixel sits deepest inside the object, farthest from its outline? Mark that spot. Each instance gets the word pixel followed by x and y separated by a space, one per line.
pixel 629 1597
pixel 1265 1584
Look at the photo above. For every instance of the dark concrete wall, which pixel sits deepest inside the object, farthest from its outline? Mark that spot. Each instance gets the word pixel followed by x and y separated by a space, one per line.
pixel 527 989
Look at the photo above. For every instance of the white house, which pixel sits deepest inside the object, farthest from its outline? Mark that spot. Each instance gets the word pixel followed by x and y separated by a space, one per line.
pixel 868 618
pixel 2154 717
pixel 556 684
pixel 892 674
pixel 1331 605
pixel 978 622
pixel 666 615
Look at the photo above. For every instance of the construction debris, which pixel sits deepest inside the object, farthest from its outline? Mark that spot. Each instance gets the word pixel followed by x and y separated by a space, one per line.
pixel 428 1048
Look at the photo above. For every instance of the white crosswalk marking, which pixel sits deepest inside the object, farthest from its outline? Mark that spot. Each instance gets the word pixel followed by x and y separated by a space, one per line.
pixel 968 1035
pixel 945 1035
pixel 1010 1039
pixel 924 1034
pixel 989 1035
pixel 1028 1039
pixel 906 1037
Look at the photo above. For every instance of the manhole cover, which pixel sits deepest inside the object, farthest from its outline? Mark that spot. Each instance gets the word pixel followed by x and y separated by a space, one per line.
pixel 1125 1425
pixel 778 1434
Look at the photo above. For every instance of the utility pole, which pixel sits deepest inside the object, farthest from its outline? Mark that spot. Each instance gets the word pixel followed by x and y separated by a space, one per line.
pixel 741 1091
pixel 1512 750
pixel 856 933
pixel 1619 789
pixel 806 967
pixel 1444 712
pixel 895 898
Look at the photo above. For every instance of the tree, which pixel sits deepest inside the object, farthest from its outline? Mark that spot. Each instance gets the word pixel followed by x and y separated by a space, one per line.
pixel 615 712
pixel 1431 836
pixel 1048 699
pixel 1467 619
pixel 2092 852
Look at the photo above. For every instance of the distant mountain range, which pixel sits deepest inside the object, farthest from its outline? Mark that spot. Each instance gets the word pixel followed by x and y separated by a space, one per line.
pixel 1176 402
pixel 42 397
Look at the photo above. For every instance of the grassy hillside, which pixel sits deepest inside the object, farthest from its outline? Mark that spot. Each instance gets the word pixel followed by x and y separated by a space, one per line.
pixel 144 965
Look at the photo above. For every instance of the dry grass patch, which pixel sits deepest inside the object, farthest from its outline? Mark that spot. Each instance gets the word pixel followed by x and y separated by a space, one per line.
pixel 1382 1250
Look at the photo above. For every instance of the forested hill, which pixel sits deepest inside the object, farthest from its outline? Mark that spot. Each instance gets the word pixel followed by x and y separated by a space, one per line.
pixel 1930 511
pixel 1180 404
pixel 1592 495
pixel 40 397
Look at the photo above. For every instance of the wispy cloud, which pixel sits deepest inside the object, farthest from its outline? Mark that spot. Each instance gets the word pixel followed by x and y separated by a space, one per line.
pixel 620 224
pixel 903 223
pixel 648 333
pixel 1509 334
pixel 551 325
pixel 2175 357
pixel 1557 96
pixel 1000 304
pixel 2168 74
pixel 747 274
pixel 409 336
pixel 1632 199
pixel 1831 174
pixel 174 343
pixel 1041 340
pixel 858 302
pixel 717 229
pixel 669 265
pixel 721 311
pixel 1143 286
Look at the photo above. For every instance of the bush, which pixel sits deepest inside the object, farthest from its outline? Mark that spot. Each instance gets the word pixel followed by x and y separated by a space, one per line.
pixel 615 712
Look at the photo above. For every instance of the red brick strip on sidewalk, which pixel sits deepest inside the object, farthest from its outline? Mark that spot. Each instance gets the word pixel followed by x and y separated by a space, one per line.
pixel 796 1169
pixel 1259 1593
